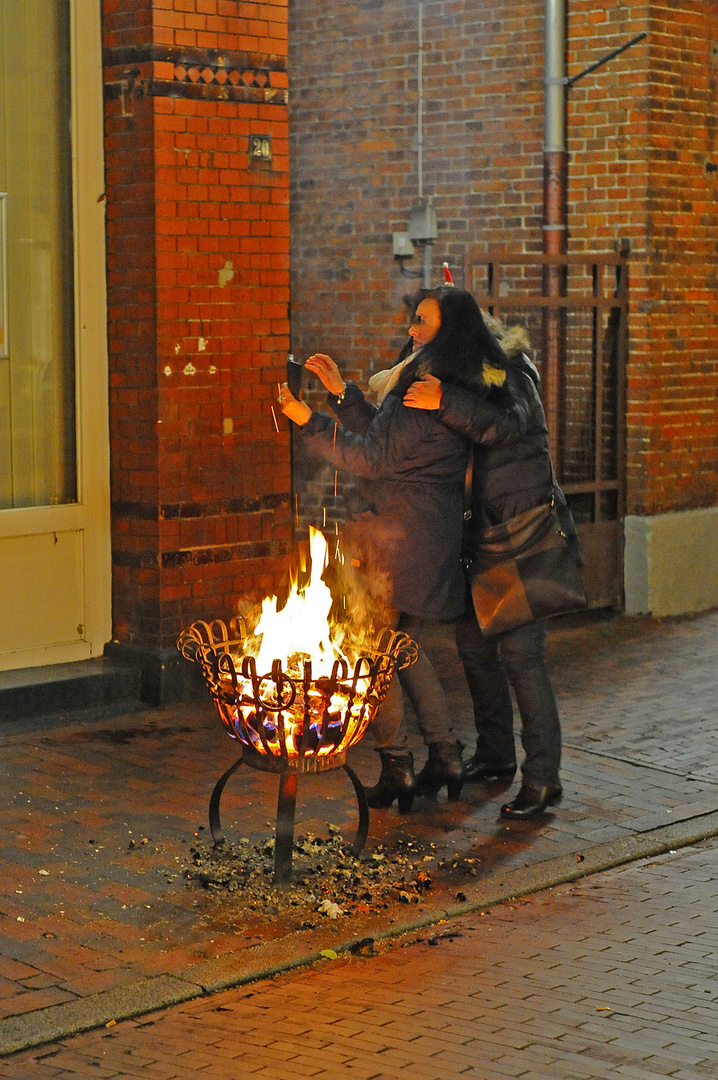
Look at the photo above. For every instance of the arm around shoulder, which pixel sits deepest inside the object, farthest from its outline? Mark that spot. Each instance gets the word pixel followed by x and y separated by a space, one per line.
pixel 478 417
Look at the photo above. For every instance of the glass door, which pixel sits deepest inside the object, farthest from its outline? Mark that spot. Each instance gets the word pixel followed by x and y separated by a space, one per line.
pixel 37 380
pixel 54 497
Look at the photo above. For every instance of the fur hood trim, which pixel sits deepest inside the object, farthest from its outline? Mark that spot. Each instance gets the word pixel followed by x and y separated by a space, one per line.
pixel 512 339
pixel 492 376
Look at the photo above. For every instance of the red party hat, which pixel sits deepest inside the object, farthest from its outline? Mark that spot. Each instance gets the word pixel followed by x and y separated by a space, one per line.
pixel 448 280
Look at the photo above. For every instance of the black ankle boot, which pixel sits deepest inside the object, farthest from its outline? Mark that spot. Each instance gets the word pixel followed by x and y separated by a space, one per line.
pixel 396 781
pixel 532 801
pixel 478 768
pixel 444 766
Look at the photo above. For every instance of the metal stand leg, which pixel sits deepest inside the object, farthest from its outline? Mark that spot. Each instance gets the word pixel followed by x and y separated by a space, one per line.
pixel 214 822
pixel 284 840
pixel 286 809
pixel 363 830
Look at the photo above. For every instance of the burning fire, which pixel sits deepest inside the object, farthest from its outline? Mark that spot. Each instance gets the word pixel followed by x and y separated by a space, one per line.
pixel 302 628
pixel 299 686
pixel 310 703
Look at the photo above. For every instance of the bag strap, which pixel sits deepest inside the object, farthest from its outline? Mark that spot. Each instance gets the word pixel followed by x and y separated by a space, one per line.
pixel 554 481
pixel 468 485
pixel 468 512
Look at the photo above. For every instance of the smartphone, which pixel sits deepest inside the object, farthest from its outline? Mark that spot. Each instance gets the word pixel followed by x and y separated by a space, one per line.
pixel 294 374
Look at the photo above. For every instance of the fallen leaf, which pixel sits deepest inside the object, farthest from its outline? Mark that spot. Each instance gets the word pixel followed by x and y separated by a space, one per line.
pixel 329 954
pixel 328 907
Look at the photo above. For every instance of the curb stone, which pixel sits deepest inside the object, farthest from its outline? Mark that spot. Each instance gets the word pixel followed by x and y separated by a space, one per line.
pixel 304 948
pixel 72 1017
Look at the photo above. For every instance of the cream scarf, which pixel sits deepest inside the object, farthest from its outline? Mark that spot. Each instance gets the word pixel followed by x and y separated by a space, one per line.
pixel 384 381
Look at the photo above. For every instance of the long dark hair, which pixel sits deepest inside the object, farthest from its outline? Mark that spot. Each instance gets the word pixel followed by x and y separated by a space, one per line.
pixel 463 343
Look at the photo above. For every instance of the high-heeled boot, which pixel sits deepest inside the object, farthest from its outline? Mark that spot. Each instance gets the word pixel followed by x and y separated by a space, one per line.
pixel 443 766
pixel 396 781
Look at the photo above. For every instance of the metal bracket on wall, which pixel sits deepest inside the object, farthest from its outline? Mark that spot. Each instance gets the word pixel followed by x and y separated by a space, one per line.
pixel 604 60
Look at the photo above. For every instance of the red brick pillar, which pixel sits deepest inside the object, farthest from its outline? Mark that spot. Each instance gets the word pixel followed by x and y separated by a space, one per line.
pixel 198 291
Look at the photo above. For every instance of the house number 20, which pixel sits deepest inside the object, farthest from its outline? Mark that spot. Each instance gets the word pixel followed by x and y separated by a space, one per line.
pixel 260 146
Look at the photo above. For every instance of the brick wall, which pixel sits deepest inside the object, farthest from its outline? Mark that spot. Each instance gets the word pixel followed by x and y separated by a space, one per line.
pixel 642 136
pixel 198 264
pixel 676 322
pixel 641 144
pixel 353 123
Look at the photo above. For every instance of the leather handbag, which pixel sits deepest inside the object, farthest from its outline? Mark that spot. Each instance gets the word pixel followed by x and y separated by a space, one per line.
pixel 522 569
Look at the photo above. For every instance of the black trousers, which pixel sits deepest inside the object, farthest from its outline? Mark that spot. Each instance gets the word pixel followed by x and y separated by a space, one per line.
pixel 516 659
pixel 425 693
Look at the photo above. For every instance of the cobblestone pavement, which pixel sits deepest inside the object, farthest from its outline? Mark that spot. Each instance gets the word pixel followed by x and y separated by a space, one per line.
pixel 614 977
pixel 101 814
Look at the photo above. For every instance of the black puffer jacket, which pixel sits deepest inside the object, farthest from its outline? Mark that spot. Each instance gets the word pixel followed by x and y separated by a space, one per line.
pixel 512 466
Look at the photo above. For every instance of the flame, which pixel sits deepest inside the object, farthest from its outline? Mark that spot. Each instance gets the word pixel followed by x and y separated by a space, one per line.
pixel 302 629
pixel 319 721
pixel 300 685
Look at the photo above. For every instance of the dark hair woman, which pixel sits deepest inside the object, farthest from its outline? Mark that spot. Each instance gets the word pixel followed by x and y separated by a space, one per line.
pixel 463 345
pixel 413 468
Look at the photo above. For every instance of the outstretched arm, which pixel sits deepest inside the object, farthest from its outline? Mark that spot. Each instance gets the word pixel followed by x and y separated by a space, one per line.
pixel 390 441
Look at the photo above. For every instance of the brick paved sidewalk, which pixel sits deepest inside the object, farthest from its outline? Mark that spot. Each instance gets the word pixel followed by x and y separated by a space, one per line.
pixel 97 919
pixel 614 977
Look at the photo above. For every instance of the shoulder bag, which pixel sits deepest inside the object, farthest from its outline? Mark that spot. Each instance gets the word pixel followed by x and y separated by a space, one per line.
pixel 522 569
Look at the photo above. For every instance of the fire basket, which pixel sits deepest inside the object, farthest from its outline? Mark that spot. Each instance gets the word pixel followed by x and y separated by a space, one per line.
pixel 292 721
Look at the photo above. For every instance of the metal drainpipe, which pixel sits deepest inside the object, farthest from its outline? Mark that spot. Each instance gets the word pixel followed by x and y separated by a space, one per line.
pixel 427 253
pixel 554 210
pixel 420 100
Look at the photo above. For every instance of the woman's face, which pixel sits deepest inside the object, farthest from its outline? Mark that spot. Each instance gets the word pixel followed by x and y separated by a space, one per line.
pixel 426 322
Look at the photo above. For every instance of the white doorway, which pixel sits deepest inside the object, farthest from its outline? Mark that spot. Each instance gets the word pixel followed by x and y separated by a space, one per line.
pixel 55 603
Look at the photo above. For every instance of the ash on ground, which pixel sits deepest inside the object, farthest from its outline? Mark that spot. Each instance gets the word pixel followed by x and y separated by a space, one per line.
pixel 327 879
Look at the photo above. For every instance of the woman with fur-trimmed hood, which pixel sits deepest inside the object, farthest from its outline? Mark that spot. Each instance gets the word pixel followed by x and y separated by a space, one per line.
pixel 512 473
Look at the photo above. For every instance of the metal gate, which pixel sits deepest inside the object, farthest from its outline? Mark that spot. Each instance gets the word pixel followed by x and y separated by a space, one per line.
pixel 575 309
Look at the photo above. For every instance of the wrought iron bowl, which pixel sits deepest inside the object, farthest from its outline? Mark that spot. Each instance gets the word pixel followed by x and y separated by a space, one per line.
pixel 293 721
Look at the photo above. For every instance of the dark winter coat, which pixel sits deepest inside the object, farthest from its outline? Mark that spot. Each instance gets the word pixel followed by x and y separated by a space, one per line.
pixel 415 467
pixel 512 467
